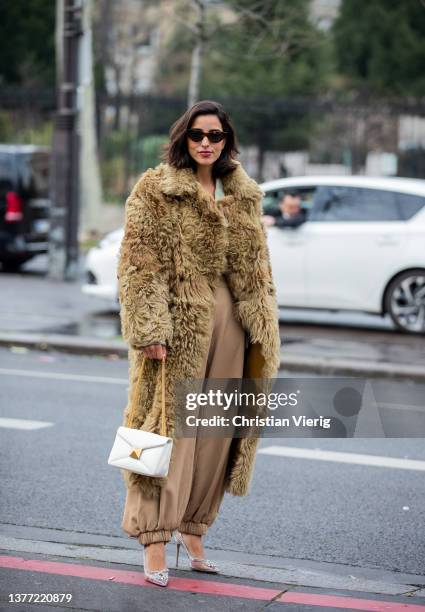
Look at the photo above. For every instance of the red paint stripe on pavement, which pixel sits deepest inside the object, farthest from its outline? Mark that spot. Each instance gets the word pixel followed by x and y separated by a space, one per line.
pixel 137 578
pixel 91 572
pixel 335 601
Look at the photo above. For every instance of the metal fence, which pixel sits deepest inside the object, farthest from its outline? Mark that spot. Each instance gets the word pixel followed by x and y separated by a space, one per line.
pixel 295 135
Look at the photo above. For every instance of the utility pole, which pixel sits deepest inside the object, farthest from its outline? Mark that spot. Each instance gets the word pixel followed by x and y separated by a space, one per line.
pixel 64 187
pixel 89 179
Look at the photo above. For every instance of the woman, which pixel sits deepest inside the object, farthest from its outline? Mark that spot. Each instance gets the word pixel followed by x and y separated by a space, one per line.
pixel 195 287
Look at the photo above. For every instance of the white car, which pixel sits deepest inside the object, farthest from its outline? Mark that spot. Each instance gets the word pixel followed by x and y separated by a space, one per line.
pixel 361 248
pixel 101 267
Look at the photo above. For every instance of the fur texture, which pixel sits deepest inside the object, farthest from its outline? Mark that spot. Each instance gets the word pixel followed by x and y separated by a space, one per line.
pixel 177 242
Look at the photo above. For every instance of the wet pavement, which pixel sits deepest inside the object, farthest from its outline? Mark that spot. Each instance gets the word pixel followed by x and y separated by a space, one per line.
pixel 379 346
pixel 101 324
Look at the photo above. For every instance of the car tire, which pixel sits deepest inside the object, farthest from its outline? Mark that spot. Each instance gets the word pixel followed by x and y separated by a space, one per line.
pixel 11 266
pixel 405 301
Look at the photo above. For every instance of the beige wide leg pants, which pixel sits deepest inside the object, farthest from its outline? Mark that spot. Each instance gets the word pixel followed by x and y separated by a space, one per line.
pixel 191 498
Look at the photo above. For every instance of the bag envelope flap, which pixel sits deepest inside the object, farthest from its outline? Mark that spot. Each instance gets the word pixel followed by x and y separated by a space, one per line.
pixel 137 438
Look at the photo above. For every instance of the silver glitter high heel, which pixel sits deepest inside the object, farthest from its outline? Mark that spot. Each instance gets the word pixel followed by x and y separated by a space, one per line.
pixel 159 577
pixel 199 565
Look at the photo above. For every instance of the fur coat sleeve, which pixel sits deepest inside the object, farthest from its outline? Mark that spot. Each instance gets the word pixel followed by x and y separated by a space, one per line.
pixel 143 284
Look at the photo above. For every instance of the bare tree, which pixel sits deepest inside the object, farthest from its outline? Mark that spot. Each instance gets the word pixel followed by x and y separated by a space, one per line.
pixel 197 53
pixel 117 38
pixel 271 32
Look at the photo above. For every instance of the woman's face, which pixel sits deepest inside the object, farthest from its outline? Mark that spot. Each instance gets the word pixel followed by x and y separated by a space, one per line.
pixel 205 153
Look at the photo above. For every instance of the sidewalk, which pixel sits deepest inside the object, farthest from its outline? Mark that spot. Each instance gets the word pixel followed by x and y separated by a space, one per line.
pixel 346 351
pixel 38 312
pixel 104 576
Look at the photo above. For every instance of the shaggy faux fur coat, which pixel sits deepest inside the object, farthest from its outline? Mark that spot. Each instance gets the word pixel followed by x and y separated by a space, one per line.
pixel 178 240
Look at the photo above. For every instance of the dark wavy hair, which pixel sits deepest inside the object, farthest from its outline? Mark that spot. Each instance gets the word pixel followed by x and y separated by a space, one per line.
pixel 176 152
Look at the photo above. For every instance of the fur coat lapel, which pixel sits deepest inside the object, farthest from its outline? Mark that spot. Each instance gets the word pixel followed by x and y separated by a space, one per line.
pixel 238 187
pixel 181 182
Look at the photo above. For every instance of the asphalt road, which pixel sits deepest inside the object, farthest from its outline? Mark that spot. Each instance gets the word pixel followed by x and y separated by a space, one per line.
pixel 304 509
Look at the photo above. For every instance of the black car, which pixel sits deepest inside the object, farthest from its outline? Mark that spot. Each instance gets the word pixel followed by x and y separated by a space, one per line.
pixel 24 203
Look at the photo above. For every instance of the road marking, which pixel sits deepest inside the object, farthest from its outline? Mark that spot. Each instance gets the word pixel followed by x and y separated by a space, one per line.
pixel 64 376
pixel 192 585
pixel 23 424
pixel 340 457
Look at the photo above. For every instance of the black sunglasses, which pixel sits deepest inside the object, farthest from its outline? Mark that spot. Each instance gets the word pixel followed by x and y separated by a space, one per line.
pixel 213 136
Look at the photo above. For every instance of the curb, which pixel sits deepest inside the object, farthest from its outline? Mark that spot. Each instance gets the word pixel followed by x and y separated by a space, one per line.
pixel 82 345
pixel 290 574
pixel 351 367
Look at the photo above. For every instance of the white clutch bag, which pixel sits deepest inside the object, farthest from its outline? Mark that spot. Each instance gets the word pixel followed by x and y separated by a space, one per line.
pixel 142 452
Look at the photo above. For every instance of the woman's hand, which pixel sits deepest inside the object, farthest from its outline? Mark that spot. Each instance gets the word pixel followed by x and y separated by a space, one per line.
pixel 155 351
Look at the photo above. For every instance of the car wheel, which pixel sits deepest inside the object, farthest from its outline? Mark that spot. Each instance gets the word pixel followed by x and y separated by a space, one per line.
pixel 405 301
pixel 11 266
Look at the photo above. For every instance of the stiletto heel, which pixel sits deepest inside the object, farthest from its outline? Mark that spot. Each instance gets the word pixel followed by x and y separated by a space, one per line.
pixel 159 577
pixel 199 565
pixel 177 554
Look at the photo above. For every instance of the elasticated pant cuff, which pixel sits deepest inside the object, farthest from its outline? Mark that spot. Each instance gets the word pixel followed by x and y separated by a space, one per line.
pixel 193 528
pixel 149 537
